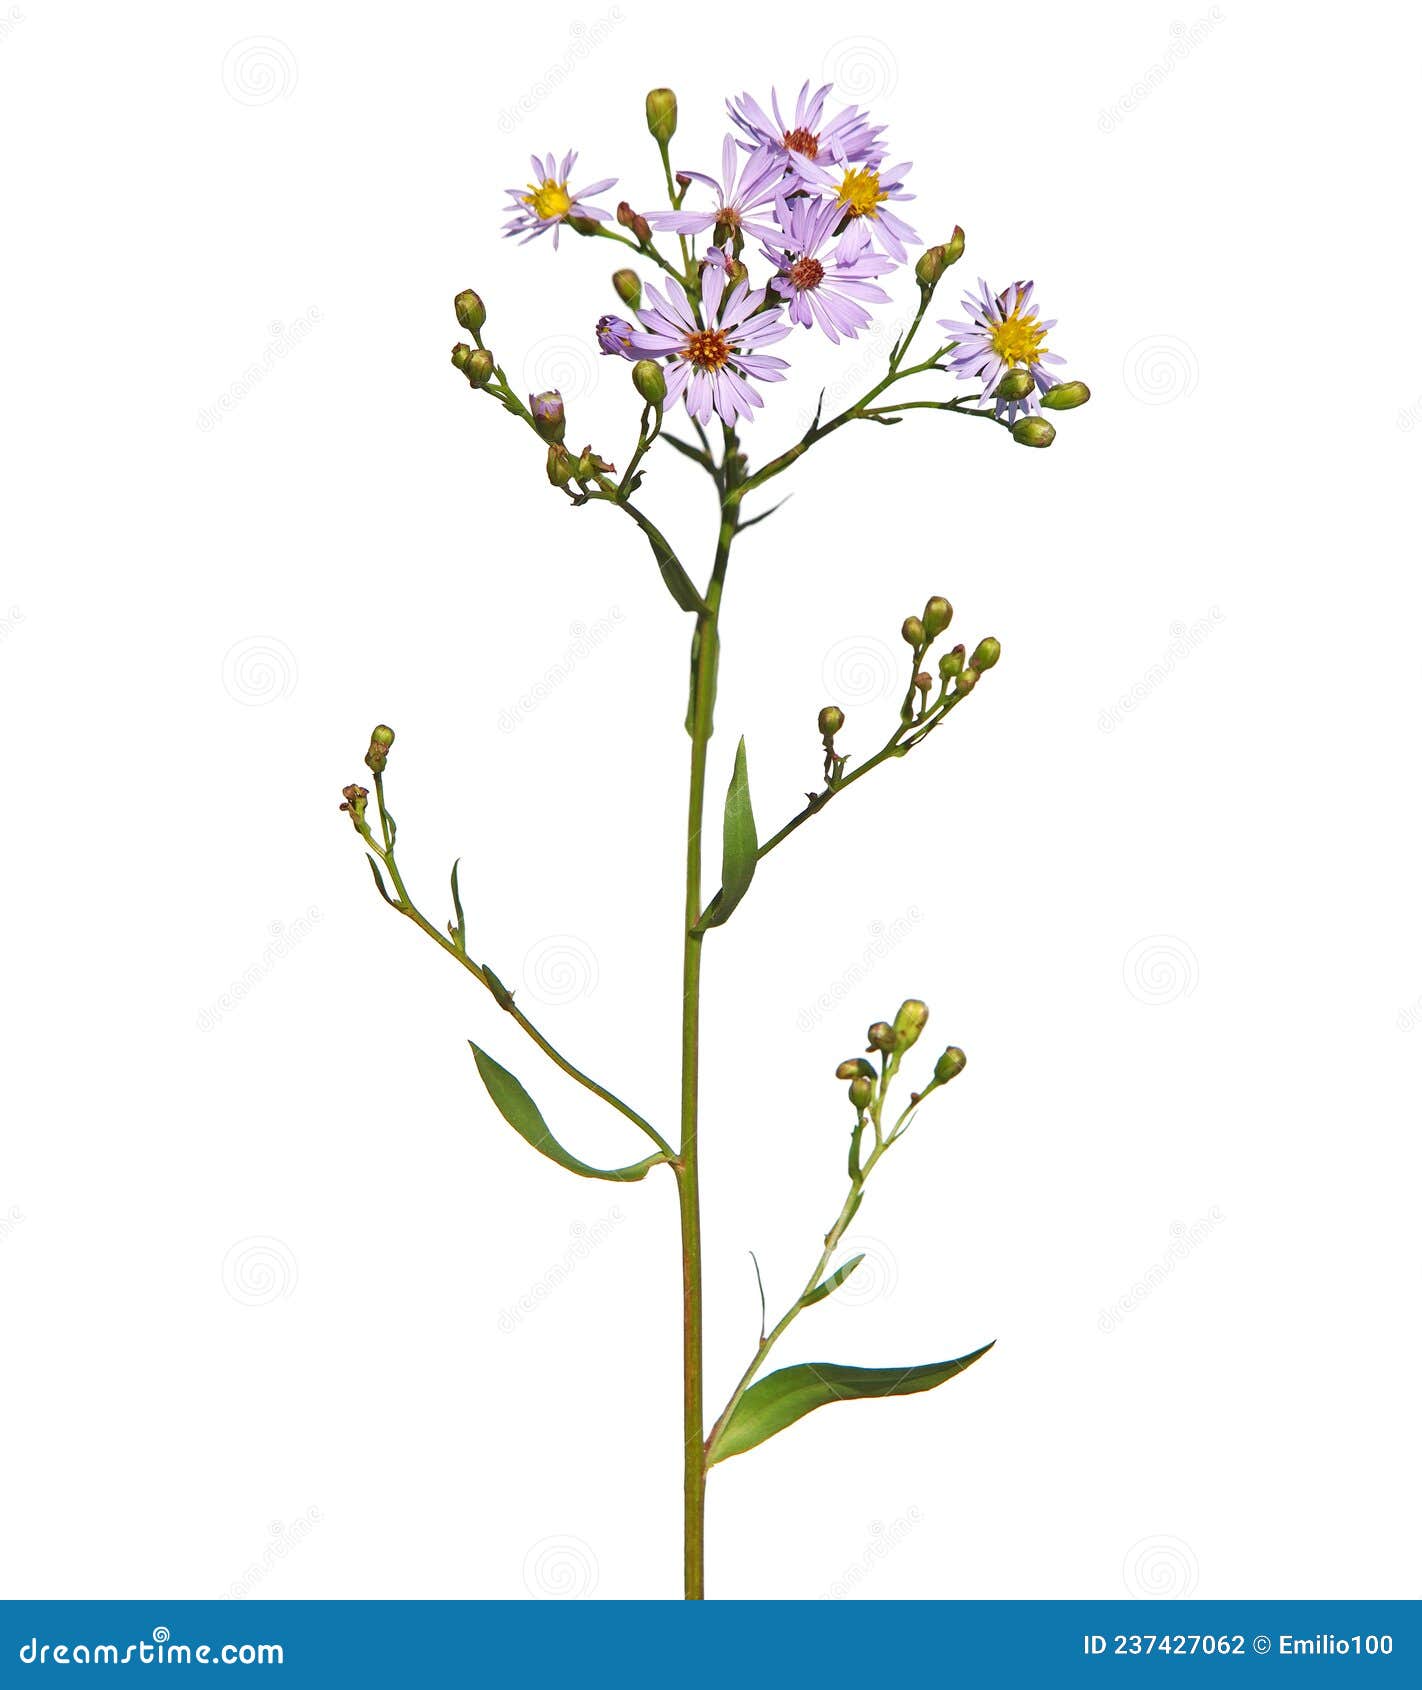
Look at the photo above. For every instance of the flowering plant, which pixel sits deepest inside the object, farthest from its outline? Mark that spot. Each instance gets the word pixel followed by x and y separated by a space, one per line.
pixel 808 202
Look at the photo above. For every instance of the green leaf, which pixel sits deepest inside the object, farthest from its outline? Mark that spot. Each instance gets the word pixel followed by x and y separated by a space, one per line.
pixel 521 1113
pixel 833 1283
pixel 738 844
pixel 456 930
pixel 780 1399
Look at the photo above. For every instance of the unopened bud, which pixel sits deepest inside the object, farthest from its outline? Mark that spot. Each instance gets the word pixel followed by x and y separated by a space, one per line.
pixel 661 115
pixel 650 380
pixel 987 653
pixel 923 681
pixel 469 309
pixel 461 355
pixel 479 367
pixel 1065 396
pixel 1016 384
pixel 584 225
pixel 1033 431
pixel 913 631
pixel 953 247
pixel 354 806
pixel 949 1065
pixel 548 415
pixel 854 1068
pixel 560 465
pixel 937 614
pixel 952 664
pixel 909 1023
pixel 831 720
pixel 614 337
pixel 629 287
pixel 381 739
pixel 881 1036
pixel 861 1093
pixel 634 221
pixel 967 680
pixel 930 267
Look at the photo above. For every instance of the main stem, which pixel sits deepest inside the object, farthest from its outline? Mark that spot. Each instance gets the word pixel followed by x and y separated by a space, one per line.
pixel 705 652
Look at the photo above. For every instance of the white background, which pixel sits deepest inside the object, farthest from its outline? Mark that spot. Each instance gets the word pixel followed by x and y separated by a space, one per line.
pixel 1179 940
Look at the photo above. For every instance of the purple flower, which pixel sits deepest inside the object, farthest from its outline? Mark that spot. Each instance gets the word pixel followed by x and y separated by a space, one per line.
pixel 847 138
pixel 736 201
pixel 825 287
pixel 1005 334
pixel 712 367
pixel 548 201
pixel 861 193
pixel 614 336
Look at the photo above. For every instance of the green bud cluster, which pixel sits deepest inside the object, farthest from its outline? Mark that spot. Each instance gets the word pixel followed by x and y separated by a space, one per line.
pixel 381 739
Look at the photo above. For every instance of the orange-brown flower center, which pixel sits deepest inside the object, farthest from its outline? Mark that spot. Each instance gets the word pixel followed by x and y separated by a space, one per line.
pixel 803 141
pixel 708 349
pixel 806 273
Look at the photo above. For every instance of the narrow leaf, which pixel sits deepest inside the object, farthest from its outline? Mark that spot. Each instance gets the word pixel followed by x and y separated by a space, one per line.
pixel 833 1283
pixel 380 883
pixel 457 932
pixel 521 1113
pixel 738 844
pixel 780 1399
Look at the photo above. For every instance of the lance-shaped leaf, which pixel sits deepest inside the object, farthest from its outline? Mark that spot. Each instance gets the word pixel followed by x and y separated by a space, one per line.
pixel 738 844
pixel 833 1282
pixel 780 1399
pixel 521 1113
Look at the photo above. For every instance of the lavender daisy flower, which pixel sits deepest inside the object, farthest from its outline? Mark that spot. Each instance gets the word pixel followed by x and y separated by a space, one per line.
pixel 1005 333
pixel 712 367
pixel 846 138
pixel 614 336
pixel 825 287
pixel 736 200
pixel 548 201
pixel 862 192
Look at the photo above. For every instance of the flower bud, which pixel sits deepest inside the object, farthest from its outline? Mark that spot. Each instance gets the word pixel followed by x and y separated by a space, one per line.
pixel 585 225
pixel 1033 431
pixel 987 653
pixel 629 287
pixel 548 416
pixel 1066 396
pixel 923 681
pixel 589 465
pixel 913 632
pixel 634 221
pixel 937 614
pixel 854 1068
pixel 861 1093
pixel 736 273
pixel 1016 384
pixel 881 1036
pixel 909 1023
pixel 479 367
pixel 661 115
pixel 650 380
pixel 949 1065
pixel 461 355
pixel 952 664
pixel 831 720
pixel 381 739
pixel 614 337
pixel 469 309
pixel 560 465
pixel 953 250
pixel 354 806
pixel 967 680
pixel 930 267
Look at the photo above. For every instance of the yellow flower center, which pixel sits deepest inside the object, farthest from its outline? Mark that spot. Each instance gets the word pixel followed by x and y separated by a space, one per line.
pixel 860 194
pixel 1018 339
pixel 708 349
pixel 550 201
